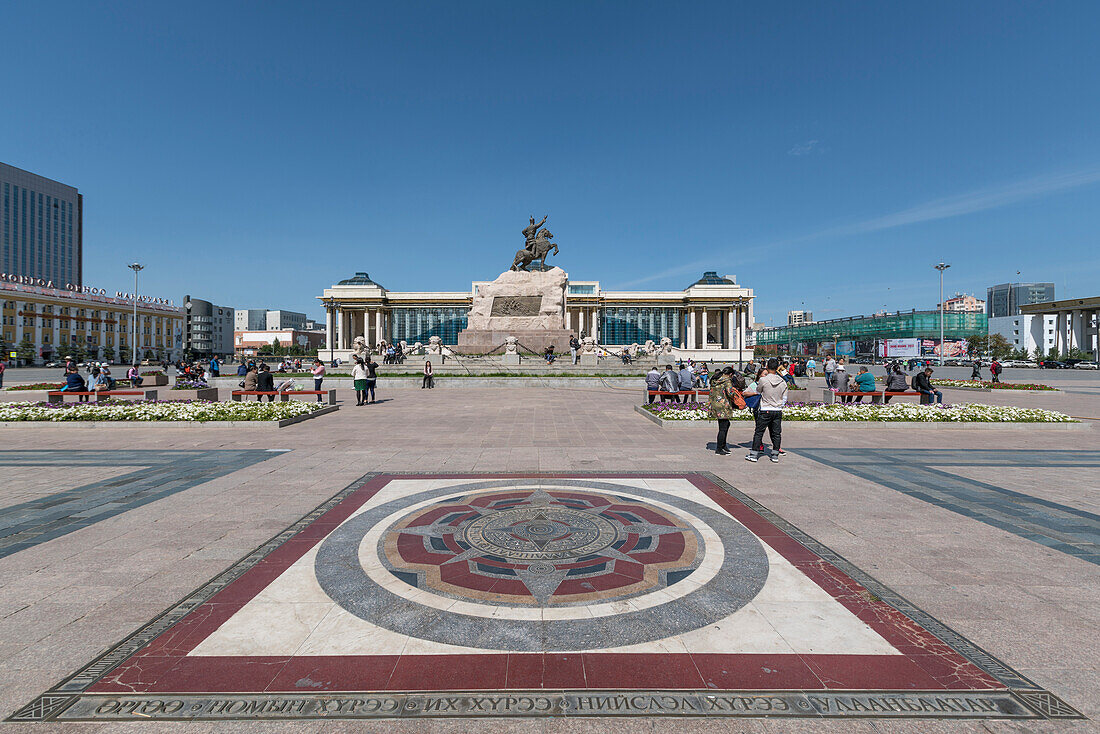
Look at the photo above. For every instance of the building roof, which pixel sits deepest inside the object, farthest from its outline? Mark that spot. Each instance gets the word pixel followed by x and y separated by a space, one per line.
pixel 359 279
pixel 711 277
pixel 1068 304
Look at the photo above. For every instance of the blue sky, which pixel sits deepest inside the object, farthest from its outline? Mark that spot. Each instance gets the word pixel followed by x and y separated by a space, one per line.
pixel 828 154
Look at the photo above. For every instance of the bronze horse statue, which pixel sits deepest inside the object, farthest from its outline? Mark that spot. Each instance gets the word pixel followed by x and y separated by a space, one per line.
pixel 541 248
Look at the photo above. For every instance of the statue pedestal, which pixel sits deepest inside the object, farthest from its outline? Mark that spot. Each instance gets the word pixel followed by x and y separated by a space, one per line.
pixel 590 360
pixel 527 305
pixel 510 359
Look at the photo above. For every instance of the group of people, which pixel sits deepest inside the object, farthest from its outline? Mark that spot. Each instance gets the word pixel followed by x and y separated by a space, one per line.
pixel 995 369
pixel 837 378
pixel 687 377
pixel 764 393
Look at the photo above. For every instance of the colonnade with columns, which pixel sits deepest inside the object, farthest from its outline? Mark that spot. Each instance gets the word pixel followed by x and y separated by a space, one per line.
pixel 583 320
pixel 343 324
pixel 716 327
pixel 1077 329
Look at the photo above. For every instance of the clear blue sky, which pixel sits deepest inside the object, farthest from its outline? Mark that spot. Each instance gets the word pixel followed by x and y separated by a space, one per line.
pixel 825 153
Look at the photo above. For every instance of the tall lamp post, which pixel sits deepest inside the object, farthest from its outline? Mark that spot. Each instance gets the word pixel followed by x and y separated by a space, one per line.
pixel 941 267
pixel 137 268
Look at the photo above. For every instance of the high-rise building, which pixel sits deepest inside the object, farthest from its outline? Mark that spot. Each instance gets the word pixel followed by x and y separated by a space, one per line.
pixel 1006 299
pixel 41 229
pixel 207 328
pixel 799 317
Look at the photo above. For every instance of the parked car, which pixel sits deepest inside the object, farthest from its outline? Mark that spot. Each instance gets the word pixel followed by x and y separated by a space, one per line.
pixel 1086 366
pixel 1052 364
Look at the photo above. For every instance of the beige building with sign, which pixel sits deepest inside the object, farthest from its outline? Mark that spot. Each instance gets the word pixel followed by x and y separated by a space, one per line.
pixel 56 322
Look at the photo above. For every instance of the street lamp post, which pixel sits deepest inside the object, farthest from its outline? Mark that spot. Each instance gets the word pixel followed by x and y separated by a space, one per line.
pixel 136 267
pixel 941 267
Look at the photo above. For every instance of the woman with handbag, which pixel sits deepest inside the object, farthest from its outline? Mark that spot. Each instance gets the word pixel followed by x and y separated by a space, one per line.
pixel 725 397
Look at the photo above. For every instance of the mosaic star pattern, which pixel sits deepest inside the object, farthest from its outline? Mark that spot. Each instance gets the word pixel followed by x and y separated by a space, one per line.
pixel 538 547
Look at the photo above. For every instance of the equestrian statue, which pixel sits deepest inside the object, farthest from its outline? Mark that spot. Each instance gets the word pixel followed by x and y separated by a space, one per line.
pixel 537 247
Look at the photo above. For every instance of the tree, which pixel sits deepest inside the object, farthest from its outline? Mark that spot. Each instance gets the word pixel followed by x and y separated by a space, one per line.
pixel 26 349
pixel 999 346
pixel 108 354
pixel 978 344
pixel 276 348
pixel 76 351
pixel 124 354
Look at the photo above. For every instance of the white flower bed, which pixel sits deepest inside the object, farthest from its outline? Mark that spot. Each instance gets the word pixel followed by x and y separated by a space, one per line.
pixel 183 410
pixel 894 412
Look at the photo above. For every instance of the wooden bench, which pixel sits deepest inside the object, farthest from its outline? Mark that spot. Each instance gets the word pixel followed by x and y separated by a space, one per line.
pixel 692 393
pixel 58 396
pixel 828 396
pixel 236 395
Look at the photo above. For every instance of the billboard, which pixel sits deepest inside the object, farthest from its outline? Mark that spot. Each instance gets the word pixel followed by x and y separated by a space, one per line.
pixel 899 347
pixel 846 349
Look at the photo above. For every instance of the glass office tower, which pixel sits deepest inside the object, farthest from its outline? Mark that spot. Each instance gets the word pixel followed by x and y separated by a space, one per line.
pixel 41 226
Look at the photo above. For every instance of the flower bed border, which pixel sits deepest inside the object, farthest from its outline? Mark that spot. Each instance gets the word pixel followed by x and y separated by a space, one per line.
pixel 713 425
pixel 175 424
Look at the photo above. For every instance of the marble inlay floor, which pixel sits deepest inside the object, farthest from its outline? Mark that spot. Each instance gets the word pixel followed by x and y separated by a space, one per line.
pixel 32 511
pixel 544 594
pixel 970 482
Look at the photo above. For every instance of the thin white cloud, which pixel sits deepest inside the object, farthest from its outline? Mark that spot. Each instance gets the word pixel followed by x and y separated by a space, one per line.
pixel 805 148
pixel 936 209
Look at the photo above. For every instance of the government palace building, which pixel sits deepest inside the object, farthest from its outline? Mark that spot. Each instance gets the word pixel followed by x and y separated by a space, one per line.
pixel 709 319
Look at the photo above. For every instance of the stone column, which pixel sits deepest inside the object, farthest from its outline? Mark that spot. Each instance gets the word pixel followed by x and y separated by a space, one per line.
pixel 568 318
pixel 329 331
pixel 580 320
pixel 704 327
pixel 691 329
pixel 730 327
pixel 1078 329
pixel 378 325
pixel 340 315
pixel 596 324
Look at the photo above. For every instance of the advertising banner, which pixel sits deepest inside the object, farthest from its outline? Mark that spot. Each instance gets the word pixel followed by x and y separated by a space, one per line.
pixel 846 349
pixel 865 347
pixel 899 348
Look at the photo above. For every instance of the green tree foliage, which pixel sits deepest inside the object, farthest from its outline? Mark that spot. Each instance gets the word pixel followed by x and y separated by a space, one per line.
pixel 26 349
pixel 108 354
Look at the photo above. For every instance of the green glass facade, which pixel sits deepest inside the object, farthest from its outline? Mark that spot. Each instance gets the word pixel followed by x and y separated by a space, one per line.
pixel 905 325
pixel 417 324
pixel 637 324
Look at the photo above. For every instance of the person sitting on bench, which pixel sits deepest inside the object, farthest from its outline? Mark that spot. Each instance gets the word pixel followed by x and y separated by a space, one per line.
pixel 895 382
pixel 922 383
pixel 265 382
pixel 75 383
pixel 865 382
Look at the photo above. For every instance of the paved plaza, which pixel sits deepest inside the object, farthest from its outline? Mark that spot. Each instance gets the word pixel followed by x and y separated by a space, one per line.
pixel 548 560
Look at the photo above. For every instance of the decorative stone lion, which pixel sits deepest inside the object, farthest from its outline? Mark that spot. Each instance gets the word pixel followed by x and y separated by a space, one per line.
pixel 417 348
pixel 435 345
pixel 666 345
pixel 588 345
pixel 511 345
pixel 359 347
pixel 650 347
pixel 632 350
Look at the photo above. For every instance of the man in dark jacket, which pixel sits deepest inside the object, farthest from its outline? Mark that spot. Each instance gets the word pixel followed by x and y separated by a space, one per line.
pixel 265 382
pixel 995 370
pixel 976 370
pixel 922 383
pixel 652 381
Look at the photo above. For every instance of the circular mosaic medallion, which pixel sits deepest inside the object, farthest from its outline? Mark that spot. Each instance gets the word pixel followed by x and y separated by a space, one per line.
pixel 541 565
pixel 541 547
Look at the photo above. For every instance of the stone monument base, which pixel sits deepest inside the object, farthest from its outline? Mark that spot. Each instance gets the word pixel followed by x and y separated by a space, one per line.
pixel 589 360
pixel 509 359
pixel 482 341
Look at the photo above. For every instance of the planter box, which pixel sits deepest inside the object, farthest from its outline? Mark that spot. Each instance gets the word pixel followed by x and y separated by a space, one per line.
pixel 158 380
pixel 205 393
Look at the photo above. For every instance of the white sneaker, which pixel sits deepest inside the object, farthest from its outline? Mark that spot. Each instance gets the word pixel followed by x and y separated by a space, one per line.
pixel 774 458
pixel 752 458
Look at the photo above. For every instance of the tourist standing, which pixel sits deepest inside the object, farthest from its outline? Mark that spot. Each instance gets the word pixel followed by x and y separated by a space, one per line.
pixel 724 397
pixel 359 380
pixel 830 368
pixel 429 381
pixel 976 370
pixel 769 415
pixel 372 377
pixel 2 368
pixel 995 370
pixel 318 375
pixel 652 382
pixel 574 346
